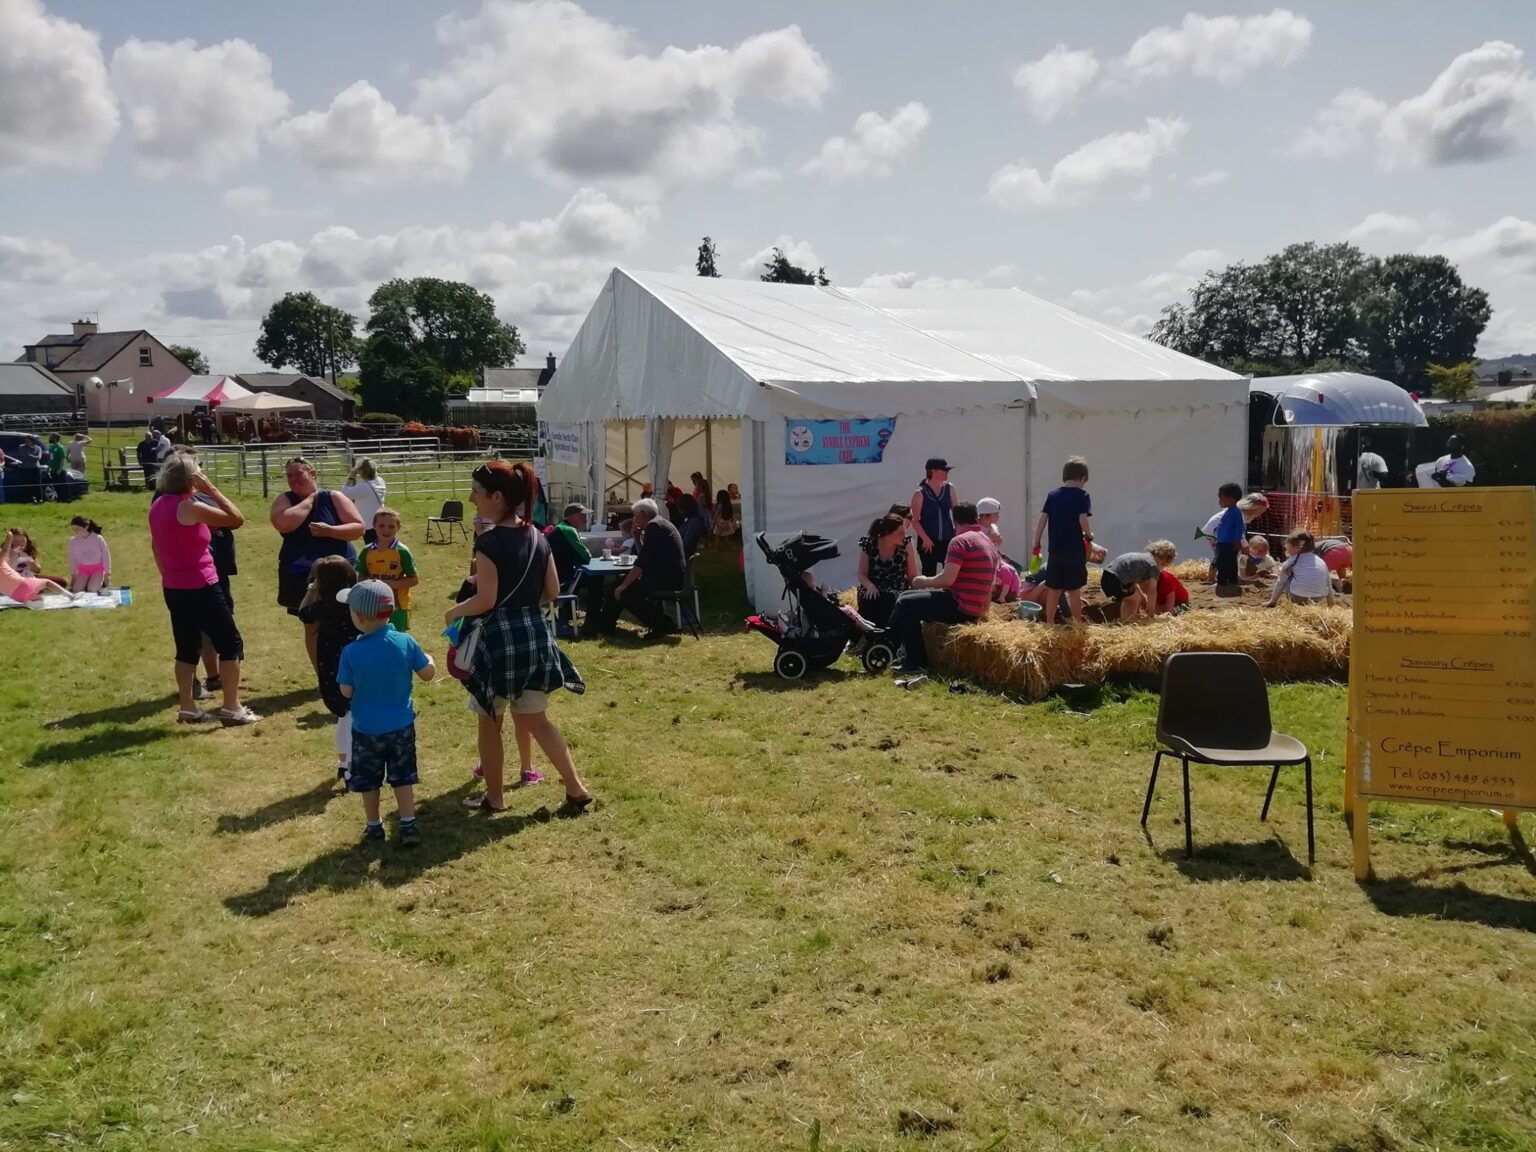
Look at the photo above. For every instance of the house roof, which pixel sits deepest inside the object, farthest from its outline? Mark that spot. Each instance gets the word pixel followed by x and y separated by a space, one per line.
pixel 91 352
pixel 280 381
pixel 512 379
pixel 30 380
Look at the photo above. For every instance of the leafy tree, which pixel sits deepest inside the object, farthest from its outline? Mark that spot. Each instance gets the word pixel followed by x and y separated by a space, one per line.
pixel 196 362
pixel 706 259
pixel 1229 320
pixel 778 270
pixel 1417 312
pixel 1451 382
pixel 1312 290
pixel 423 333
pixel 301 331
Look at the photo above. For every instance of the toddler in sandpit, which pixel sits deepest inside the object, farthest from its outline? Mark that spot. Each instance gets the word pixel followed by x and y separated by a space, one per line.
pixel 1258 561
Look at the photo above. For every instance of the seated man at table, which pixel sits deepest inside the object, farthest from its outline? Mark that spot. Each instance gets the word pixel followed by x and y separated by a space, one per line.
pixel 959 594
pixel 659 566
pixel 570 553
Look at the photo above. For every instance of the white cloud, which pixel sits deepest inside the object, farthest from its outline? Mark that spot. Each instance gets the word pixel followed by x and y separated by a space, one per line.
pixel 1510 332
pixel 913 280
pixel 196 111
pixel 798 252
pixel 1481 107
pixel 249 200
pixel 1134 306
pixel 1220 48
pixel 1054 82
pixel 1117 156
pixel 1210 179
pixel 575 95
pixel 362 137
pixel 1001 273
pixel 1507 245
pixel 56 104
pixel 543 273
pixel 758 178
pixel 1201 260
pixel 876 147
pixel 1382 225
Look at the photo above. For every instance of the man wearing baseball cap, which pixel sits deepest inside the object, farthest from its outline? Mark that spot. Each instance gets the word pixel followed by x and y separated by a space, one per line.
pixel 933 514
pixel 376 674
pixel 570 553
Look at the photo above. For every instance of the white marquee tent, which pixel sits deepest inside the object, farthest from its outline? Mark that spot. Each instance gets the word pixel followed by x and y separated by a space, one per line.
pixel 224 394
pixel 1003 384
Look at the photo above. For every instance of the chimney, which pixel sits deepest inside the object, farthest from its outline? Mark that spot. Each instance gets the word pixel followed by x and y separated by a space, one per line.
pixel 85 327
pixel 549 363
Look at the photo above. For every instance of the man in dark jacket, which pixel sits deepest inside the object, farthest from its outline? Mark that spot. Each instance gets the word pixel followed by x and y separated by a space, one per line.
pixel 659 567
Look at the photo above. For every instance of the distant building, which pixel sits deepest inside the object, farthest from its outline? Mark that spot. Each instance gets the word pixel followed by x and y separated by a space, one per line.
pixel 86 351
pixel 331 402
pixel 519 379
pixel 506 396
pixel 32 390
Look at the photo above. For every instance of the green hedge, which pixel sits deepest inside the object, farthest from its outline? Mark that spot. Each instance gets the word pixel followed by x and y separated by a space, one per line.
pixel 1501 443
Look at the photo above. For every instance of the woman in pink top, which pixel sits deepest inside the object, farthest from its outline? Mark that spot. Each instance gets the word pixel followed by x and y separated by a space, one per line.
pixel 18 587
pixel 90 560
pixel 179 530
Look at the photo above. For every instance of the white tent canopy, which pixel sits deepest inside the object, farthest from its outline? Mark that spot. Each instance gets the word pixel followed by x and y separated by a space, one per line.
pixel 264 404
pixel 1003 384
pixel 225 395
pixel 1524 394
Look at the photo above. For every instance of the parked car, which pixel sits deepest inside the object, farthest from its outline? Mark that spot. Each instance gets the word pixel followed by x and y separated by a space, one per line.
pixel 25 484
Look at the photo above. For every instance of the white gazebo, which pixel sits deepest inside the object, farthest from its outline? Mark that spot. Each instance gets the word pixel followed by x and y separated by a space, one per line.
pixel 833 398
pixel 228 397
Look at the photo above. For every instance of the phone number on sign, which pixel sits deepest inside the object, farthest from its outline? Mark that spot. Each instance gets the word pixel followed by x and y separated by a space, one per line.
pixel 1433 776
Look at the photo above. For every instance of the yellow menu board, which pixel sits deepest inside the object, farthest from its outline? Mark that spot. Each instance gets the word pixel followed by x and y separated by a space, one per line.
pixel 1442 657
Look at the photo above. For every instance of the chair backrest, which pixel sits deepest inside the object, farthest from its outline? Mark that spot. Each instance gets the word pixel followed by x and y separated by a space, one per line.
pixel 1215 700
pixel 452 510
pixel 688 572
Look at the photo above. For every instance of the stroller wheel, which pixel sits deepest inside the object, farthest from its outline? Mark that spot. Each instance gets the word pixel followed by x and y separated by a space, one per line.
pixel 877 656
pixel 789 664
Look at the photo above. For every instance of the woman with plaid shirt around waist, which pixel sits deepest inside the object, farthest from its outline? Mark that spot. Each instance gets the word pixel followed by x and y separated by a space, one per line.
pixel 516 663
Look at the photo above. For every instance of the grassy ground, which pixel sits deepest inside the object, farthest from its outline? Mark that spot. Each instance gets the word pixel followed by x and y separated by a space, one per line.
pixel 833 915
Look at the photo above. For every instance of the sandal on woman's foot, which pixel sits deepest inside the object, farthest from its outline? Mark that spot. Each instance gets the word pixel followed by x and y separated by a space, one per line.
pixel 575 805
pixel 235 718
pixel 482 802
pixel 192 716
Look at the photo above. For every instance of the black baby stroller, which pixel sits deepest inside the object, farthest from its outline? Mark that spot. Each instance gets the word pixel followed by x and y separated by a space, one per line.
pixel 814 630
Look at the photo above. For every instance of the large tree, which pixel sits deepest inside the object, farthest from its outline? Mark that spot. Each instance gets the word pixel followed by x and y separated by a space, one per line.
pixel 193 358
pixel 706 258
pixel 303 332
pixel 424 336
pixel 777 269
pixel 1327 307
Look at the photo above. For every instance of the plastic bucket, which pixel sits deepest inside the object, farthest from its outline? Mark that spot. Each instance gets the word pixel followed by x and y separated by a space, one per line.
pixel 1029 610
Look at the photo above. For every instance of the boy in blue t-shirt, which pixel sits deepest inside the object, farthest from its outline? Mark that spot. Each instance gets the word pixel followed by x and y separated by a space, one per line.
pixel 1231 530
pixel 375 674
pixel 1066 513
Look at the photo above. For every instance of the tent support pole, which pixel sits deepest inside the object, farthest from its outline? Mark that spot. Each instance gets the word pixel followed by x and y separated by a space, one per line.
pixel 709 453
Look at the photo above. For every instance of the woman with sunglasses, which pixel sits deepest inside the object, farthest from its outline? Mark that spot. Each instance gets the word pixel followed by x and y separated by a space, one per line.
pixel 515 663
pixel 314 522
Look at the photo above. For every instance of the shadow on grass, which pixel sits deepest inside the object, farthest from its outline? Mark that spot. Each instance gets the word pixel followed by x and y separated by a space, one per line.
pixel 1409 897
pixel 1229 860
pixel 447 833
pixel 120 714
pixel 287 702
pixel 771 681
pixel 288 808
pixel 111 742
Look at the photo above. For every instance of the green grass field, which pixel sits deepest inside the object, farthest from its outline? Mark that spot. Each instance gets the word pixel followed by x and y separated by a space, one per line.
pixel 831 915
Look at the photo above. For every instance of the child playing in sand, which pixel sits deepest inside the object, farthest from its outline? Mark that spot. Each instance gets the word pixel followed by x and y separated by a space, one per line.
pixel 23 589
pixel 1256 558
pixel 1231 535
pixel 1006 588
pixel 1172 597
pixel 1130 580
pixel 1304 578
pixel 331 576
pixel 1066 511
pixel 1338 555
pixel 375 674
pixel 90 560
pixel 389 560
pixel 1252 506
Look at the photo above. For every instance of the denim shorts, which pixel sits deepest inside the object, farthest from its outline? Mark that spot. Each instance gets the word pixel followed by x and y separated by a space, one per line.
pixel 383 757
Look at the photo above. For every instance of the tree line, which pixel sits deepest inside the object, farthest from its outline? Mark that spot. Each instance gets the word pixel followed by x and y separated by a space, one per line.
pixel 1329 307
pixel 424 340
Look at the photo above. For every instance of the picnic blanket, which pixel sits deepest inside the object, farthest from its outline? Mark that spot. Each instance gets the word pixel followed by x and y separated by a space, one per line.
pixel 54 603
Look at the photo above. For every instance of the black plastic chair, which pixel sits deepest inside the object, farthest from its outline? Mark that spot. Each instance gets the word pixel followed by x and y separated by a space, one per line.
pixel 452 514
pixel 1215 710
pixel 685 601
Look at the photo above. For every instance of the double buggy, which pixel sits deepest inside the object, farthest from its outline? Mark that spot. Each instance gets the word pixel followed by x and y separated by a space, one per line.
pixel 814 629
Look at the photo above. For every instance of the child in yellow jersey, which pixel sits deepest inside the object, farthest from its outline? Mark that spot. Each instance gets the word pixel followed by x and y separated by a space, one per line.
pixel 389 560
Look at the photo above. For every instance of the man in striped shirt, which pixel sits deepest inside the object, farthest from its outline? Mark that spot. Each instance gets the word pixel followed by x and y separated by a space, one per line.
pixel 959 594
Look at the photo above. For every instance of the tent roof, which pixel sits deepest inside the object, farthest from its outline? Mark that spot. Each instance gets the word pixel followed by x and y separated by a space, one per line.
pixel 1521 395
pixel 1341 398
pixel 658 344
pixel 257 403
pixel 195 390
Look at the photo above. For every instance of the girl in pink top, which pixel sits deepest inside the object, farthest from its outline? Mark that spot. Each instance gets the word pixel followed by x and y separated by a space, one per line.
pixel 90 560
pixel 21 588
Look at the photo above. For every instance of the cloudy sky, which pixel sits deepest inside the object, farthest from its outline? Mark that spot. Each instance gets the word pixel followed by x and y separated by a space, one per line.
pixel 177 165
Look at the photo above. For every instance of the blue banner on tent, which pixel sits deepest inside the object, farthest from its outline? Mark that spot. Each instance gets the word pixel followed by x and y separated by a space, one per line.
pixel 837 441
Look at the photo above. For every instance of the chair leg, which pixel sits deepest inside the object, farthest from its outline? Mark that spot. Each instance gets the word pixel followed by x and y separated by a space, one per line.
pixel 1270 795
pixel 1146 808
pixel 1189 828
pixel 1311 842
pixel 463 532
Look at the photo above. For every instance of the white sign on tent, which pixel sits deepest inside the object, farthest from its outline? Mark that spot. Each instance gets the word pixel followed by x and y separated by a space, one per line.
pixel 564 442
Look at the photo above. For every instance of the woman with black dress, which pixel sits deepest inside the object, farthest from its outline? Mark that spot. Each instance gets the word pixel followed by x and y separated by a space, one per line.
pixel 887 564
pixel 314 522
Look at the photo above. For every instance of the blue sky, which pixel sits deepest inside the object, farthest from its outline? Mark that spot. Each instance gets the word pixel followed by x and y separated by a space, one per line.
pixel 178 165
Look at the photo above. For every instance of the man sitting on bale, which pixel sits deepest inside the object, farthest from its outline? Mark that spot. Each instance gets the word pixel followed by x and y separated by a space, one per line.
pixel 659 566
pixel 959 594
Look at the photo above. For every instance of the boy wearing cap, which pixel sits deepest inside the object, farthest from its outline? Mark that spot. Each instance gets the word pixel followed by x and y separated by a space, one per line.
pixel 933 514
pixel 570 553
pixel 375 674
pixel 389 560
